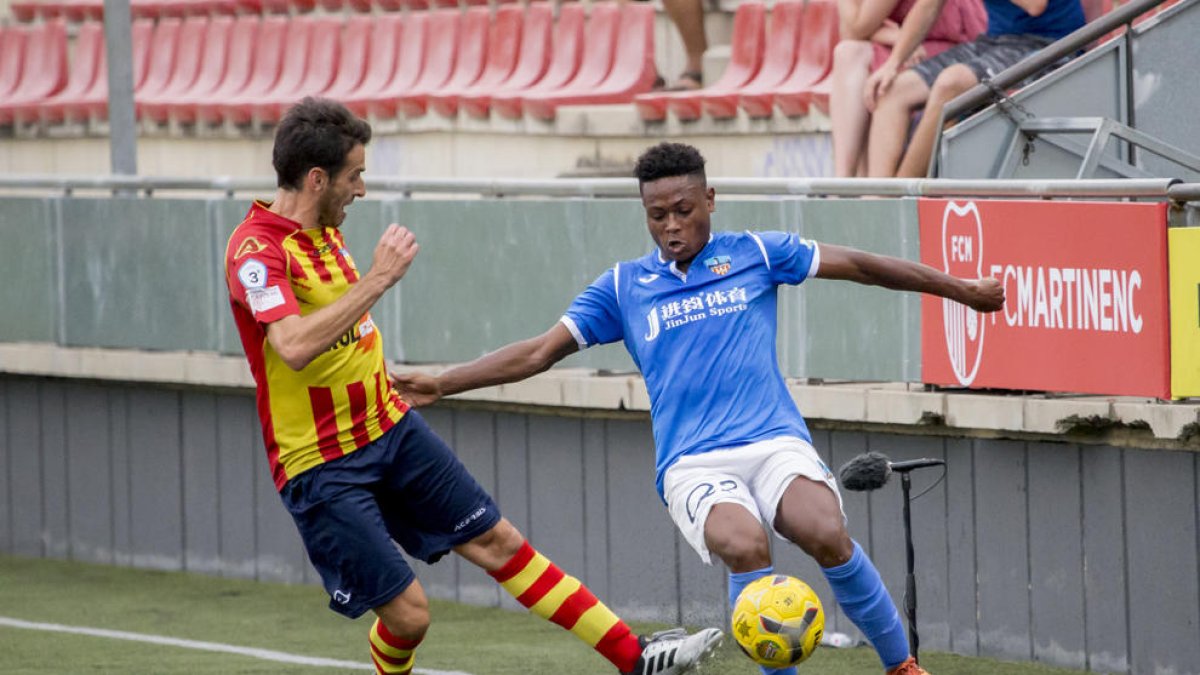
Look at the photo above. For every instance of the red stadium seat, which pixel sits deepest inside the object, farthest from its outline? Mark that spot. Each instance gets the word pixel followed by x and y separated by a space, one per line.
pixel 163 49
pixel 633 70
pixel 387 30
pixel 364 6
pixel 816 96
pixel 44 71
pixel 390 5
pixel 226 68
pixel 413 64
pixel 12 57
pixel 94 103
pixel 746 54
pixel 599 43
pixel 199 67
pixel 503 47
pixel 416 5
pixel 469 61
pixel 84 69
pixel 564 62
pixel 301 76
pixel 274 35
pixel 25 10
pixel 353 60
pixel 466 43
pixel 531 64
pixel 782 38
pixel 83 10
pixel 813 63
pixel 192 36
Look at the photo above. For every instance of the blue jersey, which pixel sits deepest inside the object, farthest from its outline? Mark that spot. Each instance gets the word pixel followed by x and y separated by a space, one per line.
pixel 1060 18
pixel 704 340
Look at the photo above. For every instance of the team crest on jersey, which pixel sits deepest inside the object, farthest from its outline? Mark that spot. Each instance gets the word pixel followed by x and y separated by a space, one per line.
pixel 249 246
pixel 719 265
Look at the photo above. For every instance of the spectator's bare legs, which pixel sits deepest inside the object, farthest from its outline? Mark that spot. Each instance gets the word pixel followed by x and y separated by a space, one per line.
pixel 949 83
pixel 688 17
pixel 851 64
pixel 889 123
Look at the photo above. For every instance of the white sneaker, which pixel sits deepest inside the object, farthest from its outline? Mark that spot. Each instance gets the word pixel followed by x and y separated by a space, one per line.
pixel 674 651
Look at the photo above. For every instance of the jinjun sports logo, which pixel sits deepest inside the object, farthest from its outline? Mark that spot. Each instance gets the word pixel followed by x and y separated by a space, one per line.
pixel 962 257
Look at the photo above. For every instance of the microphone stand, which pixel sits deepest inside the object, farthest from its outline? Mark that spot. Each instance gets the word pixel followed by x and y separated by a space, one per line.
pixel 910 579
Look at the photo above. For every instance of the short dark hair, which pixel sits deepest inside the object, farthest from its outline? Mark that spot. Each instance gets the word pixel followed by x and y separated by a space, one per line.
pixel 316 132
pixel 669 159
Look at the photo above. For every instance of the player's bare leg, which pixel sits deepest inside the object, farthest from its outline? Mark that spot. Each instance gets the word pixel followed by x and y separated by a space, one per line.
pixel 400 627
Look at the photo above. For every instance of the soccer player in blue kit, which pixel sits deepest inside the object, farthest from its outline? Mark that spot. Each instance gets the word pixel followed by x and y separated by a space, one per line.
pixel 698 316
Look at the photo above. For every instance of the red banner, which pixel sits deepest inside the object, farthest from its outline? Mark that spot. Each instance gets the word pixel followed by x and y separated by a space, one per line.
pixel 1086 296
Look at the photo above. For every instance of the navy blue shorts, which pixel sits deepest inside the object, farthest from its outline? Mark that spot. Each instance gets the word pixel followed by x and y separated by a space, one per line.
pixel 408 488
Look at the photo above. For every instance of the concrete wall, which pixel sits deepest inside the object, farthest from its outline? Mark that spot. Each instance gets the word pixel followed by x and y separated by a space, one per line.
pixel 96 266
pixel 1083 555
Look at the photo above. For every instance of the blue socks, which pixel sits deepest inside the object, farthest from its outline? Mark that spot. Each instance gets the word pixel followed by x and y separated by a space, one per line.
pixel 738 581
pixel 861 593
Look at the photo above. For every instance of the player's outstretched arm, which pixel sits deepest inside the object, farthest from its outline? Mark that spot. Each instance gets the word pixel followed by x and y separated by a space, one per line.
pixel 850 264
pixel 300 339
pixel 513 362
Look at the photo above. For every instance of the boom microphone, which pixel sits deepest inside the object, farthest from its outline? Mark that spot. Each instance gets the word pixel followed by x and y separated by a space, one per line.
pixel 872 470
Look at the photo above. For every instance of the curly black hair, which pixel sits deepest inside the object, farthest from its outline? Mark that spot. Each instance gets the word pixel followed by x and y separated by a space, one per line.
pixel 316 132
pixel 669 159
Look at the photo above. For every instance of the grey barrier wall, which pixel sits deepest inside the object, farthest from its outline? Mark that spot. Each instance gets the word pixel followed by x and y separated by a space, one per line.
pixel 1082 555
pixel 147 274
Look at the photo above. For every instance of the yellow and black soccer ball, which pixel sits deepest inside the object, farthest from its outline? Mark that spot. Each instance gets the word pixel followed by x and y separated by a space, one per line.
pixel 778 621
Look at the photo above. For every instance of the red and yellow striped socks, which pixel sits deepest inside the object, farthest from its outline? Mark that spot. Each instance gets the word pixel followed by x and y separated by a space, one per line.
pixel 390 654
pixel 545 590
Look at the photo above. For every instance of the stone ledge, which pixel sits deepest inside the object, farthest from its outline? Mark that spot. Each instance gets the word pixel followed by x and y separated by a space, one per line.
pixel 889 403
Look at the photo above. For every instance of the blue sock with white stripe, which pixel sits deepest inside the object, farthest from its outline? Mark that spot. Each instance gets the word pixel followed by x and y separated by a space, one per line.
pixel 738 581
pixel 861 593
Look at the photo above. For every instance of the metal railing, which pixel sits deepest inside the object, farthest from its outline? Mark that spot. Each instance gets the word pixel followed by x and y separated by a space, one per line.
pixel 986 93
pixel 1150 188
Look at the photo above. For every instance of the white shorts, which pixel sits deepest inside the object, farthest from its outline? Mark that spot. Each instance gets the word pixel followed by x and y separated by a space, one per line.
pixel 754 476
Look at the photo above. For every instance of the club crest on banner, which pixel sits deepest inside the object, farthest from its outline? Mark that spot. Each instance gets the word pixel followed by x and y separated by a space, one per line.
pixel 962 257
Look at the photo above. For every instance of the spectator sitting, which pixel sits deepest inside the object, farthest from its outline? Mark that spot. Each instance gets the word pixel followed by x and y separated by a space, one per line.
pixel 1016 29
pixel 869 29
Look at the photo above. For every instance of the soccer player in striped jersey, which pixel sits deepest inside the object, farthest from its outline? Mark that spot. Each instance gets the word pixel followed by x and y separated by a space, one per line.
pixel 354 466
pixel 698 316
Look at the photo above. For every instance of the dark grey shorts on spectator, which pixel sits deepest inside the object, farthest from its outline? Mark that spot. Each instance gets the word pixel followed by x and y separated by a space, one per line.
pixel 985 55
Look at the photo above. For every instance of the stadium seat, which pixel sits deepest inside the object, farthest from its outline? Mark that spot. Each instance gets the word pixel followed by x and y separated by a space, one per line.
pixel 387 31
pixel 460 67
pixel 83 10
pixel 746 54
pixel 12 57
pixel 534 58
pixel 266 62
pixel 319 38
pixel 44 67
pixel 390 5
pixel 94 103
pixel 780 57
pixel 164 48
pixel 420 59
pixel 632 72
pixel 415 5
pixel 225 68
pixel 89 43
pixel 599 43
pixel 813 62
pixel 567 54
pixel 24 10
pixel 816 96
pixel 356 43
pixel 192 36
pixel 503 47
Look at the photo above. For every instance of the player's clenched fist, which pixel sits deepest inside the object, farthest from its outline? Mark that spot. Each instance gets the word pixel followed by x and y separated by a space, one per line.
pixel 987 295
pixel 394 253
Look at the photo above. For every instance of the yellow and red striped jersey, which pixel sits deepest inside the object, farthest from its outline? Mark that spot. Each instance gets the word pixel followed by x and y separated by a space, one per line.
pixel 343 399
